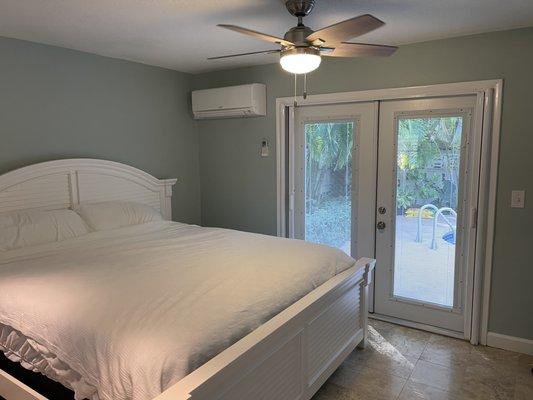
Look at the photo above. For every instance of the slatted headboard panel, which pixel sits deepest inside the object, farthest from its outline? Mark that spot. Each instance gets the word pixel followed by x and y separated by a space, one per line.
pixel 65 183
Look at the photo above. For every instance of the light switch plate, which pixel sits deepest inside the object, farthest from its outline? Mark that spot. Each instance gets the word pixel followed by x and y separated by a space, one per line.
pixel 518 198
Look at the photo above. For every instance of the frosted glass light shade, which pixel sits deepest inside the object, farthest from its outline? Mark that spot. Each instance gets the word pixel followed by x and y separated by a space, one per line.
pixel 300 62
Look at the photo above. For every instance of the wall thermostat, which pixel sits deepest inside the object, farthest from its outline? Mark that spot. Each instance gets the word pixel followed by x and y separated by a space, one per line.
pixel 264 148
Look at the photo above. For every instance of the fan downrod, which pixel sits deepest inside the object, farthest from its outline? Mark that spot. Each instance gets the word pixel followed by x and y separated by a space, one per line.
pixel 300 8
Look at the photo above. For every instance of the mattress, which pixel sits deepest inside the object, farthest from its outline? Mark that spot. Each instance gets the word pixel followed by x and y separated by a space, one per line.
pixel 126 313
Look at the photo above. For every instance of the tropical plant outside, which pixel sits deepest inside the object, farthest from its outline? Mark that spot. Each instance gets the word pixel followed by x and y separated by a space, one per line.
pixel 428 161
pixel 328 177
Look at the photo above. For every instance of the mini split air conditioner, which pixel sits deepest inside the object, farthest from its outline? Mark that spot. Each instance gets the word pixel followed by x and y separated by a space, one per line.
pixel 230 102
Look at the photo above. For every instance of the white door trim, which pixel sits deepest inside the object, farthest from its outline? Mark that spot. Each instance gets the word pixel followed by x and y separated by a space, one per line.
pixel 491 90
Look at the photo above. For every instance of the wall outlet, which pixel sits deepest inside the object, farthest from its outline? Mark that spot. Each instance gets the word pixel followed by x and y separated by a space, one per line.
pixel 518 198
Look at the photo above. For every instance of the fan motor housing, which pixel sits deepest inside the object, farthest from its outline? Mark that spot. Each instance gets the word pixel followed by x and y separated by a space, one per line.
pixel 298 35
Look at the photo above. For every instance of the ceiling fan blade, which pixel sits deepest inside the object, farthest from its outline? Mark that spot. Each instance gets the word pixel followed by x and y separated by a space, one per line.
pixel 245 54
pixel 346 30
pixel 346 49
pixel 258 35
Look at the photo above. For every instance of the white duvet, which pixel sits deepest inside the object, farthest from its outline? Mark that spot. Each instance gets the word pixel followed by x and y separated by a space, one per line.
pixel 125 313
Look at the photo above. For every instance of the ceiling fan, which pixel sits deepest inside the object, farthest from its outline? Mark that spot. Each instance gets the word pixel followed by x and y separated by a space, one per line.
pixel 302 48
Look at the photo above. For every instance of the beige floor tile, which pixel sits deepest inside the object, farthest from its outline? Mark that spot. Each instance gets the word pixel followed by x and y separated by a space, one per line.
pixel 447 351
pixel 485 387
pixel 381 326
pixel 468 383
pixel 419 391
pixel 368 383
pixel 526 359
pixel 409 342
pixel 524 387
pixel 382 355
pixel 330 391
pixel 491 369
pixel 499 359
pixel 406 364
pixel 496 364
pixel 437 376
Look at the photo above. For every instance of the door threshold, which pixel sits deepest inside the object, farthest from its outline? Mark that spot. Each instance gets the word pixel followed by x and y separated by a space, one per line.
pixel 417 325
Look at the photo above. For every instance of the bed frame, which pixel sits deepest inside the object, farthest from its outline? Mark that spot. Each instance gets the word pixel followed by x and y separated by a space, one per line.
pixel 287 358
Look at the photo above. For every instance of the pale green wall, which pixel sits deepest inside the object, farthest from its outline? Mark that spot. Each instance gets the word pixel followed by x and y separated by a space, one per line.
pixel 239 187
pixel 59 103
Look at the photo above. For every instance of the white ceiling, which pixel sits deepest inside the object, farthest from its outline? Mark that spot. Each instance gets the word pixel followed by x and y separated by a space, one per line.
pixel 181 34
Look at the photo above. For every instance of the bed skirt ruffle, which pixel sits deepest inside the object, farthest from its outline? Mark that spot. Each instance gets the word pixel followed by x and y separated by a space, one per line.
pixel 37 358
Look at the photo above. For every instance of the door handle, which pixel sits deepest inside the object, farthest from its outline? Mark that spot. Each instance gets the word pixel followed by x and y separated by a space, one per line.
pixel 381 225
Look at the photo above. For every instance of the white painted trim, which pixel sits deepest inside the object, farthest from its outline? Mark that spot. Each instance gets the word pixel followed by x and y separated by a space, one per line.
pixel 512 343
pixel 482 204
pixel 417 325
pixel 412 92
pixel 447 89
pixel 476 236
pixel 280 170
pixel 491 207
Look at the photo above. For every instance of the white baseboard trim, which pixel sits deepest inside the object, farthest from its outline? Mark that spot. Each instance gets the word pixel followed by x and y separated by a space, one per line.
pixel 512 343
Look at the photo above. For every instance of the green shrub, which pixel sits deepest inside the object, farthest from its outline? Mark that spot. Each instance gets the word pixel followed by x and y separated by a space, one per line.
pixel 329 222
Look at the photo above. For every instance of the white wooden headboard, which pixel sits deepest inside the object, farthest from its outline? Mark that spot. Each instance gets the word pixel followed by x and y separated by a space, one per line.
pixel 65 183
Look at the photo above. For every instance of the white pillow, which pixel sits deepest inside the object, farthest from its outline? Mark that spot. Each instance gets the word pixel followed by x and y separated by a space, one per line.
pixel 116 214
pixel 29 228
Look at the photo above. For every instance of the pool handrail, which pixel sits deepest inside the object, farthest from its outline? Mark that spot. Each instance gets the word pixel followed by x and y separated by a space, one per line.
pixel 419 229
pixel 438 211
pixel 435 220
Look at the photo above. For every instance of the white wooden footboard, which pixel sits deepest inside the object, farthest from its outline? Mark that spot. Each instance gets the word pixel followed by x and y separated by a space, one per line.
pixel 292 355
pixel 287 358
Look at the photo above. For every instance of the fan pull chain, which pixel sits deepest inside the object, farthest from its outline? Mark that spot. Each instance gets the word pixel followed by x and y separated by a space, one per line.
pixel 295 87
pixel 305 86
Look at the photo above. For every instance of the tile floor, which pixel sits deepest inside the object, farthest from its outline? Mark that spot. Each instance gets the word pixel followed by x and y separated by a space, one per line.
pixel 408 364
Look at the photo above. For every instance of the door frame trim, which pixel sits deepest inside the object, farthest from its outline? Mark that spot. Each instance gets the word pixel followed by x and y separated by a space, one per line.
pixel 491 90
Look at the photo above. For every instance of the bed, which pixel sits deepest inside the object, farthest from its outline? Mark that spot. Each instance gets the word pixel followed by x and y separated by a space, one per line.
pixel 163 310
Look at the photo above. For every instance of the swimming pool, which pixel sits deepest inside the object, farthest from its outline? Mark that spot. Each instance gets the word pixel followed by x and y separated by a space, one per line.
pixel 449 237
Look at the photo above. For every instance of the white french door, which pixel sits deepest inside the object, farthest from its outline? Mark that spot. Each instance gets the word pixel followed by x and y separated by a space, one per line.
pixel 333 163
pixel 397 180
pixel 428 166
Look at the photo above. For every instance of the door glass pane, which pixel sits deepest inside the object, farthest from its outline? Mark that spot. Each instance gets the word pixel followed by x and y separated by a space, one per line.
pixel 428 159
pixel 328 183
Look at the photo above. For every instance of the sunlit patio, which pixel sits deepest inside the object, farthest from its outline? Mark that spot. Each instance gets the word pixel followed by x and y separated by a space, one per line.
pixel 423 273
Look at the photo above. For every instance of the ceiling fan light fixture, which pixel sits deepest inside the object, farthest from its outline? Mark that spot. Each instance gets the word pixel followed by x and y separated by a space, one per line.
pixel 300 60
